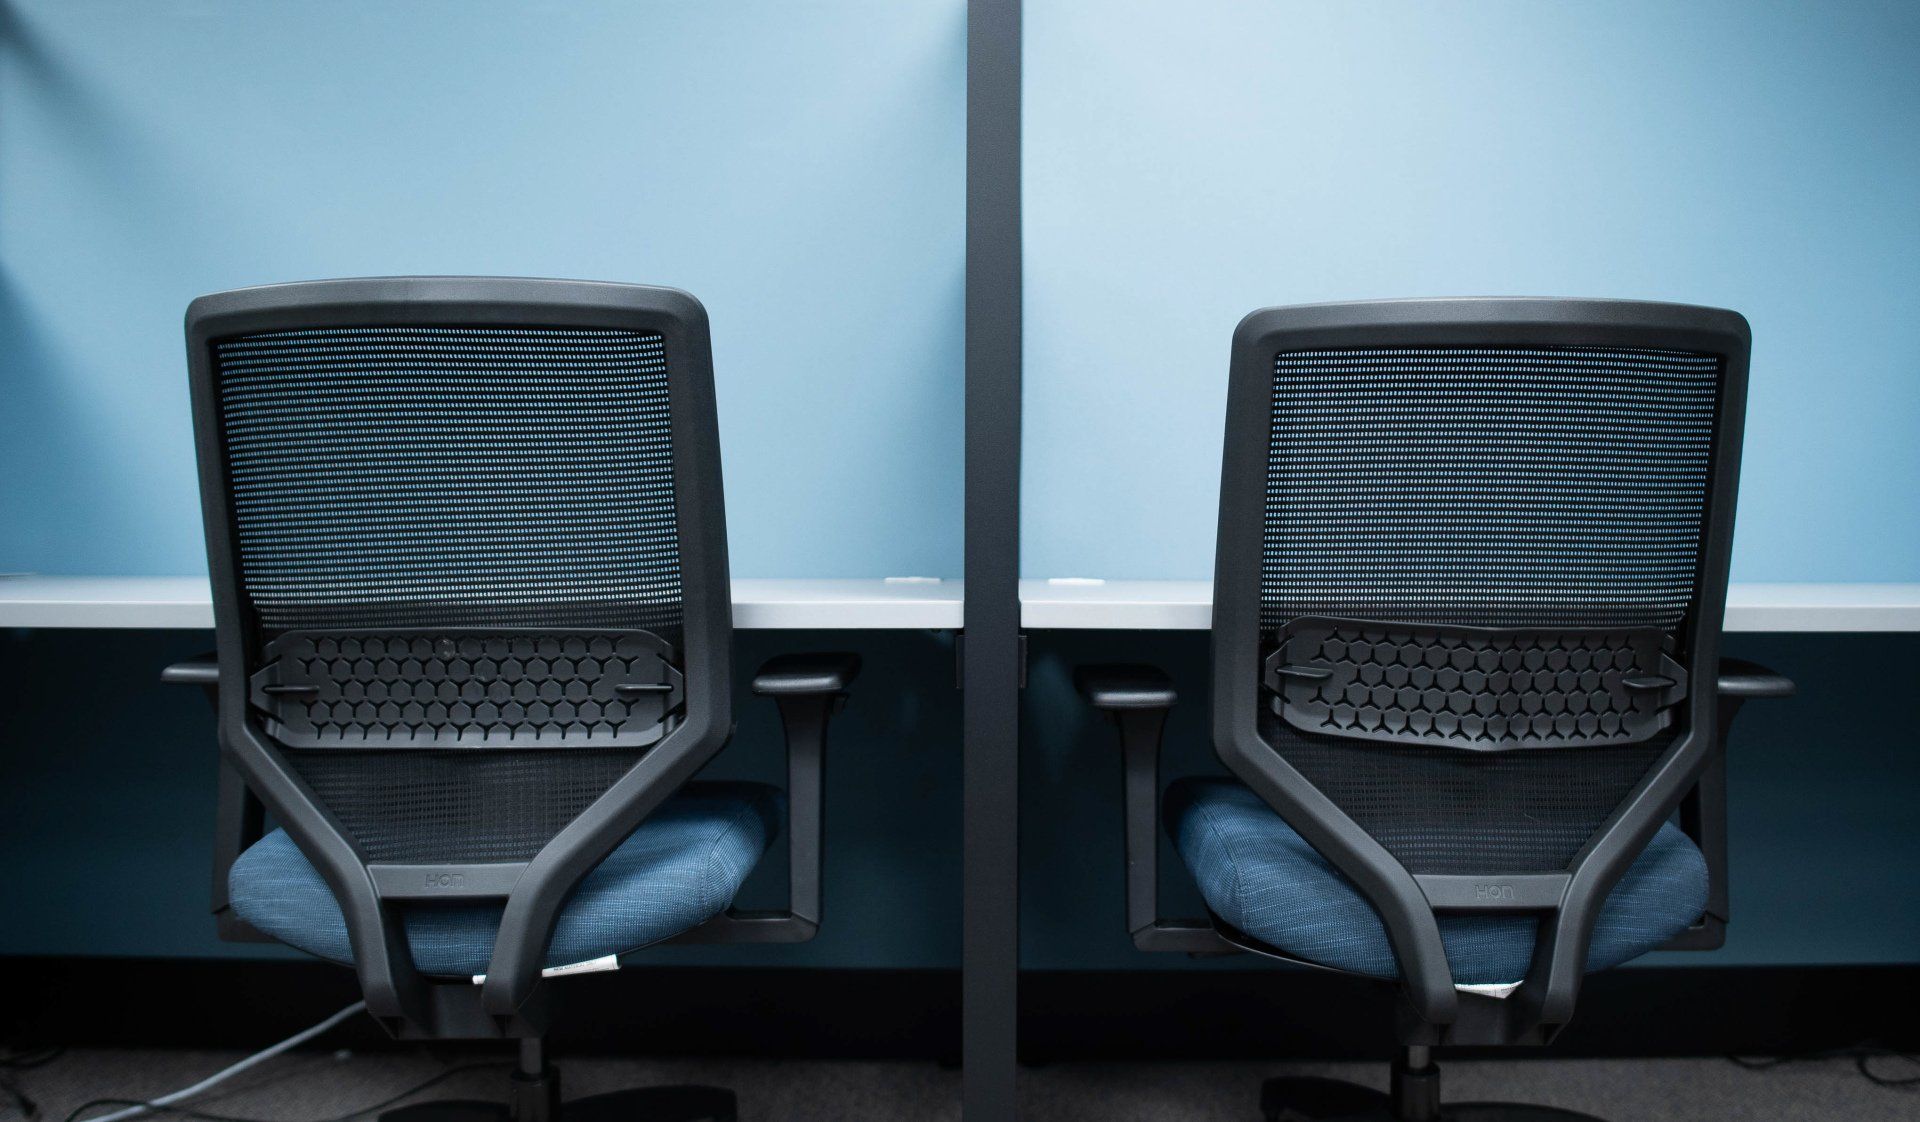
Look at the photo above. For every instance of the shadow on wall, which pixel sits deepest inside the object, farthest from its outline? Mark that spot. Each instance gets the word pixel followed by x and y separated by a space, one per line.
pixel 799 168
pixel 52 456
pixel 63 453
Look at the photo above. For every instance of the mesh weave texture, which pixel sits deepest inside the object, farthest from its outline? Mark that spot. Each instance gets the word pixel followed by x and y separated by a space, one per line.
pixel 436 805
pixel 452 476
pixel 1484 486
pixel 1490 487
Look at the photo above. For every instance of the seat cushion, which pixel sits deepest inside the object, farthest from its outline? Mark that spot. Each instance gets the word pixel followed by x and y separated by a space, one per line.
pixel 680 868
pixel 1263 878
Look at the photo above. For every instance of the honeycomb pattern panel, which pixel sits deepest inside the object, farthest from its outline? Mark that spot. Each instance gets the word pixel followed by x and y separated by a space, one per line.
pixel 1485 689
pixel 468 689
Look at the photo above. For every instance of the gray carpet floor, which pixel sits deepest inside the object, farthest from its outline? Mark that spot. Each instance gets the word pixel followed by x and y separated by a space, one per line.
pixel 313 1085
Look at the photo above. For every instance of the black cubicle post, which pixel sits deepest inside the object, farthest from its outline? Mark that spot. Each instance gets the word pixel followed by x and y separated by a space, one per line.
pixel 991 659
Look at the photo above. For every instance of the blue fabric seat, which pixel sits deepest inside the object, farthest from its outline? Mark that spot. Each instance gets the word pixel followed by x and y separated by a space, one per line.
pixel 680 868
pixel 1263 878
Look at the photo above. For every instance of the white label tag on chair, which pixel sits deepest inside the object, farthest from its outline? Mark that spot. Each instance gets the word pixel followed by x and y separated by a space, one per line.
pixel 590 966
pixel 1489 989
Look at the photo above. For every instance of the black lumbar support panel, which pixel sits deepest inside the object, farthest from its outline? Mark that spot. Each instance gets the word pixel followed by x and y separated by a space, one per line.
pixel 1478 688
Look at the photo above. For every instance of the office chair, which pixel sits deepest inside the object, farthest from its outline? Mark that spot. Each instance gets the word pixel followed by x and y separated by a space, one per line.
pixel 474 634
pixel 1471 571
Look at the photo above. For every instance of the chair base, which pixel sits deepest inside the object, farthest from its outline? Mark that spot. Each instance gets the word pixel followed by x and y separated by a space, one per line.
pixel 533 1095
pixel 1416 1098
pixel 640 1104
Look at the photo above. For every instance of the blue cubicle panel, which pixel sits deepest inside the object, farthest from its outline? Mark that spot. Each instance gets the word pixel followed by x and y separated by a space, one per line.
pixel 1180 172
pixel 1183 169
pixel 799 167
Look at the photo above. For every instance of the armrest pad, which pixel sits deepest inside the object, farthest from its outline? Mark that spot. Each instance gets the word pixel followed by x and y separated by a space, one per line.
pixel 1740 678
pixel 1125 686
pixel 200 670
pixel 789 675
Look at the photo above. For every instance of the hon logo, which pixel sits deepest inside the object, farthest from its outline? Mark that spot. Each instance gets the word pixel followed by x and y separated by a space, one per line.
pixel 1493 891
pixel 446 880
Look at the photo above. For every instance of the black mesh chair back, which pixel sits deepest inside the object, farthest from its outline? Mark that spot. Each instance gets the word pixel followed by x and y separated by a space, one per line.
pixel 1552 500
pixel 457 546
pixel 468 557
pixel 1472 555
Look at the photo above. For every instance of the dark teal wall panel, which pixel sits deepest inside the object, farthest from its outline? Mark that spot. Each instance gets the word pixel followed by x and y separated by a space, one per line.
pixel 106 783
pixel 1825 841
pixel 107 778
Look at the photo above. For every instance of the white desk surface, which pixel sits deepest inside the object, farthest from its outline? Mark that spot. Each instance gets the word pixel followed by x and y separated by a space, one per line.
pixel 184 603
pixel 152 603
pixel 1187 605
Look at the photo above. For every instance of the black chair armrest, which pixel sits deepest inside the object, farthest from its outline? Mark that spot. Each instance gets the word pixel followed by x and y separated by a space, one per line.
pixel 200 670
pixel 808 689
pixel 1703 812
pixel 1125 686
pixel 791 675
pixel 1137 699
pixel 239 817
pixel 1740 678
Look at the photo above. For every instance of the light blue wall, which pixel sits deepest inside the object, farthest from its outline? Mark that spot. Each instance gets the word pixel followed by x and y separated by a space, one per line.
pixel 799 167
pixel 1187 164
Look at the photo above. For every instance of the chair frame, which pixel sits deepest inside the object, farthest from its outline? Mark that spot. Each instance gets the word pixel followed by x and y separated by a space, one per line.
pixel 1689 775
pixel 512 1000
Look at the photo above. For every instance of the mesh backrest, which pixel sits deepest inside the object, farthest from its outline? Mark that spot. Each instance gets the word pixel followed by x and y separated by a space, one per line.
pixel 422 807
pixel 452 476
pixel 1501 487
pixel 1489 486
pixel 452 481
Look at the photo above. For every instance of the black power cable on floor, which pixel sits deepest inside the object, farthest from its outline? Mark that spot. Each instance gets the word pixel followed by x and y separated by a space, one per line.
pixel 1913 1080
pixel 207 1116
pixel 1862 1056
